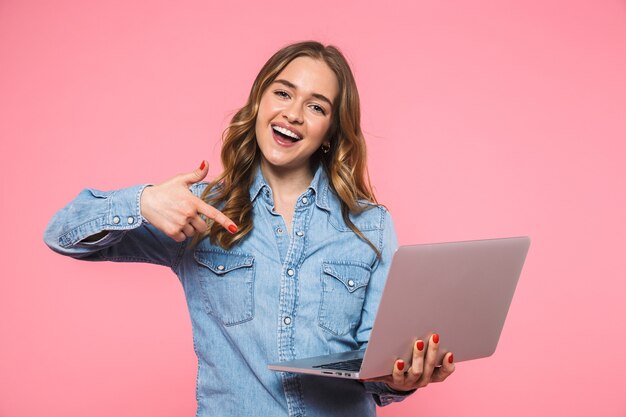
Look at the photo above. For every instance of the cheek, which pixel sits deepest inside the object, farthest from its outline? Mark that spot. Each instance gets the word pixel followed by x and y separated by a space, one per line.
pixel 270 103
pixel 262 105
pixel 264 113
pixel 321 129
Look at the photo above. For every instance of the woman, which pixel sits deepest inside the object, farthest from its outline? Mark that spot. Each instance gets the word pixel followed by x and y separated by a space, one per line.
pixel 253 248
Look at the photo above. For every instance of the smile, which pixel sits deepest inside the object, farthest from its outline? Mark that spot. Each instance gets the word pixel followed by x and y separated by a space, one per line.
pixel 286 133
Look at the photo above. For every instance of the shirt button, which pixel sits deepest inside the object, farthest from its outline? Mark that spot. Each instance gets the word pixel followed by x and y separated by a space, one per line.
pixel 290 272
pixel 305 200
pixel 220 267
pixel 350 283
pixel 299 233
pixel 131 220
pixel 116 220
pixel 287 320
pixel 279 231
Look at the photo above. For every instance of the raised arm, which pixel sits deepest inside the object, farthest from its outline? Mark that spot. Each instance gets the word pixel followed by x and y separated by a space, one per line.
pixel 143 223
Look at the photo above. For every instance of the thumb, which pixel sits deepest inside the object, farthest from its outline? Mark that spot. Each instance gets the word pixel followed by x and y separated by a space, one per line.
pixel 197 174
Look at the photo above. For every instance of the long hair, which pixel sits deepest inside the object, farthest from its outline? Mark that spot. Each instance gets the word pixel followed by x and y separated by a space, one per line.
pixel 345 163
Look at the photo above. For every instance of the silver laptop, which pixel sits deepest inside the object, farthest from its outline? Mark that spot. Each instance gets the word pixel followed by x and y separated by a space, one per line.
pixel 461 290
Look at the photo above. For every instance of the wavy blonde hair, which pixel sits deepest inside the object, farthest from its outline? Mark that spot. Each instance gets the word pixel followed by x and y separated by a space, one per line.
pixel 345 163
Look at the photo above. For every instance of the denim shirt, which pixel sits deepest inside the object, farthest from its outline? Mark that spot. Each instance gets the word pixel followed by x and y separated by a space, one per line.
pixel 275 296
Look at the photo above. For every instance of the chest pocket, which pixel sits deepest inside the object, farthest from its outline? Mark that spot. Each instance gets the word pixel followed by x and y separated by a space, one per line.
pixel 343 291
pixel 227 280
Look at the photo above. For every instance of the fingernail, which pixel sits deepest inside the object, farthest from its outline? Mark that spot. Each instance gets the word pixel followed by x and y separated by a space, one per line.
pixel 451 358
pixel 400 365
pixel 419 345
pixel 436 338
pixel 232 228
pixel 202 165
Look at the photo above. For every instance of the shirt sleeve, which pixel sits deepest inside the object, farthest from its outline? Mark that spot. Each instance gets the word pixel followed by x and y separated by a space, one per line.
pixel 382 393
pixel 130 237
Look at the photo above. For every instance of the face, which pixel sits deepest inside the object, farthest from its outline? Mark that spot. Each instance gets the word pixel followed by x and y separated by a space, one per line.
pixel 295 114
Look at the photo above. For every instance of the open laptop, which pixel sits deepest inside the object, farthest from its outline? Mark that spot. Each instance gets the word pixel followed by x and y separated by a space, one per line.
pixel 461 290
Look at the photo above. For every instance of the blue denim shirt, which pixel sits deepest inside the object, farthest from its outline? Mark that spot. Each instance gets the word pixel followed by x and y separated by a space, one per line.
pixel 275 296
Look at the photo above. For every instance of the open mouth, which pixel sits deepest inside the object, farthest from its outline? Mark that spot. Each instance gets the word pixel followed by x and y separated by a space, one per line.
pixel 286 134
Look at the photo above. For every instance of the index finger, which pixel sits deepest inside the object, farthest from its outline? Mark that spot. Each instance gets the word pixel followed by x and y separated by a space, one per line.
pixel 217 216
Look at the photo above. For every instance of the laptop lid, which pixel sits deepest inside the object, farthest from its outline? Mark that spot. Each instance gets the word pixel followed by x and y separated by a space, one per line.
pixel 460 290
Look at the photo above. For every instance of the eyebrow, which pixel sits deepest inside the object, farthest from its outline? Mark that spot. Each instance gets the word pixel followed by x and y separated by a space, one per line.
pixel 316 95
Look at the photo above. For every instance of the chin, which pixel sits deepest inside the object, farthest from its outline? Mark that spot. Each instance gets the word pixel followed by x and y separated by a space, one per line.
pixel 278 163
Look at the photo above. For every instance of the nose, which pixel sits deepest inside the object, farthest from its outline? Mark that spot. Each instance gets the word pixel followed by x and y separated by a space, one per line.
pixel 293 113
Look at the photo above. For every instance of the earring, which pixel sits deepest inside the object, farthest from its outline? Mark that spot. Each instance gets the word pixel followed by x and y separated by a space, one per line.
pixel 325 148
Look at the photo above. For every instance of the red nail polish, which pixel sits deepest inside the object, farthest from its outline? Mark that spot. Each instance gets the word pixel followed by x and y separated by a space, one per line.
pixel 400 365
pixel 232 228
pixel 419 345
pixel 202 165
pixel 436 338
pixel 451 358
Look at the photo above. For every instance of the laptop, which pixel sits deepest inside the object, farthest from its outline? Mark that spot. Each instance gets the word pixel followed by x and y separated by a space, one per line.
pixel 460 290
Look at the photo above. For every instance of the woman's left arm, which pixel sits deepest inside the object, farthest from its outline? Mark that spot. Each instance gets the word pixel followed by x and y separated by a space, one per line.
pixel 404 378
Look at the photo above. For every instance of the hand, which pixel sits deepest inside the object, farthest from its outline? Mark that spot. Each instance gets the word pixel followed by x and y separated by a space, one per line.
pixel 175 211
pixel 422 371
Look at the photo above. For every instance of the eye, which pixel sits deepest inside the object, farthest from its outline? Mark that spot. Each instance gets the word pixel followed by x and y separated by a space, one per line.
pixel 281 93
pixel 318 109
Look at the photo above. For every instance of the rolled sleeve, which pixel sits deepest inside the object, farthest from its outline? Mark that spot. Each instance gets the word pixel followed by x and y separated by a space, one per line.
pixel 94 211
pixel 90 213
pixel 130 237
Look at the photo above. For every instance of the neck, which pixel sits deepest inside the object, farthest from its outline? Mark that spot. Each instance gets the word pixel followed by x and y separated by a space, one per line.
pixel 286 184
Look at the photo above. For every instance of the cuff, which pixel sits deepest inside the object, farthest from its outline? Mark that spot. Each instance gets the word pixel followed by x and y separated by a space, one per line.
pixel 125 209
pixel 385 395
pixel 121 212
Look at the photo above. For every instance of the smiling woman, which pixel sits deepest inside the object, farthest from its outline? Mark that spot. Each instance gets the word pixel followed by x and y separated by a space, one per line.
pixel 250 246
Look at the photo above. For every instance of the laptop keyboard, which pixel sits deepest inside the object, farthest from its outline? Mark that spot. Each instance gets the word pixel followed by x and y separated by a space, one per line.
pixel 349 365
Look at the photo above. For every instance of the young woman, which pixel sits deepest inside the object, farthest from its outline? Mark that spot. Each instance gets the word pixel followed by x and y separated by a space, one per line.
pixel 284 255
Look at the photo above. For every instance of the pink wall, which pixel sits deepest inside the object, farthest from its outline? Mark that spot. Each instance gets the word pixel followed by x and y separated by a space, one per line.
pixel 483 119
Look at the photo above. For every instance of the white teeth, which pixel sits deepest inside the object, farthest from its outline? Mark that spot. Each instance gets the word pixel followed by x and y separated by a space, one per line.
pixel 286 132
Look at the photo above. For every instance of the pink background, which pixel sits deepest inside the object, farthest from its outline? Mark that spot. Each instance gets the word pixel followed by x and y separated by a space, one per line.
pixel 483 119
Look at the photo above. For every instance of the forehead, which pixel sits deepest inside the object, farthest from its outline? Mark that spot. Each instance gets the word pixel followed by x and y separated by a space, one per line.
pixel 311 76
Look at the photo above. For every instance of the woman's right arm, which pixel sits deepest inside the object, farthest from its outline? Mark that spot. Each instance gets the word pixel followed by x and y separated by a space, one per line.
pixel 142 223
pixel 108 226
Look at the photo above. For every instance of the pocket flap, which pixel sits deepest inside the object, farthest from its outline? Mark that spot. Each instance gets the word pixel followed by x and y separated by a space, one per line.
pixel 352 275
pixel 222 262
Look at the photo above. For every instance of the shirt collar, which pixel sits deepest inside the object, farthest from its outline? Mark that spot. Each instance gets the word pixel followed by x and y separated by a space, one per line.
pixel 319 185
pixel 257 184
